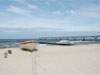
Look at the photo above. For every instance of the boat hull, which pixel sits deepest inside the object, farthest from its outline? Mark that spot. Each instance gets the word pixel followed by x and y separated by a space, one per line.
pixel 28 46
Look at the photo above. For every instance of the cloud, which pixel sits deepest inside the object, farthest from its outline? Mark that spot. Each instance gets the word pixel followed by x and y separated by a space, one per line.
pixel 8 30
pixel 33 7
pixel 20 1
pixel 27 30
pixel 91 11
pixel 48 0
pixel 71 12
pixel 17 10
pixel 56 12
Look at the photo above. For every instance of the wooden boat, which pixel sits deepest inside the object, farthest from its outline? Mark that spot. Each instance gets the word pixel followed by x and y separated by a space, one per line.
pixel 28 46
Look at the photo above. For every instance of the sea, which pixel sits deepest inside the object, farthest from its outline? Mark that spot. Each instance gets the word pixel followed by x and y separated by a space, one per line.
pixel 78 40
pixel 11 43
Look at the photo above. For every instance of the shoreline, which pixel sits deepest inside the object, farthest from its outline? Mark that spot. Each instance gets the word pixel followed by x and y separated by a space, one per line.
pixel 56 45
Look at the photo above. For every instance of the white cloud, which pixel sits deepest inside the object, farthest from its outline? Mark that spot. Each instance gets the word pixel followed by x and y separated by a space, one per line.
pixel 17 10
pixel 34 7
pixel 8 30
pixel 71 11
pixel 52 0
pixel 20 1
pixel 91 11
pixel 48 0
pixel 56 12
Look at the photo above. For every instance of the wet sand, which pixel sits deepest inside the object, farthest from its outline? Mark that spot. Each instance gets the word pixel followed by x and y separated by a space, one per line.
pixel 52 60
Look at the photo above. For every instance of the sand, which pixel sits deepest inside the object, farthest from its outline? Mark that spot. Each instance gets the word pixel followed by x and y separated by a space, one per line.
pixel 52 60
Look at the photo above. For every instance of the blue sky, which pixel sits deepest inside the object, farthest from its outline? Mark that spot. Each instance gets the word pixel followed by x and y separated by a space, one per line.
pixel 33 18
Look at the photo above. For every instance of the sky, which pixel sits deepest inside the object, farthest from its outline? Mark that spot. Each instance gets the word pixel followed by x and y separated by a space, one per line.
pixel 37 18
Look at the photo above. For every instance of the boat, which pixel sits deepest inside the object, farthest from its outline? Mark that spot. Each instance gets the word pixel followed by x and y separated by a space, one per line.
pixel 28 46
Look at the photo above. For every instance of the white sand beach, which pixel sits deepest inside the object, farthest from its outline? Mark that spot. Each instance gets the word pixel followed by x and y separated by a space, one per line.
pixel 52 60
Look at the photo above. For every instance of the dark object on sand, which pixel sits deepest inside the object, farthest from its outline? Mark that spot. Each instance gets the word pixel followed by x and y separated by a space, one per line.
pixel 28 46
pixel 5 55
pixel 9 52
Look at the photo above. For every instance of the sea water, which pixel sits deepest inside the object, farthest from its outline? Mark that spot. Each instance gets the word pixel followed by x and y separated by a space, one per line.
pixel 8 43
